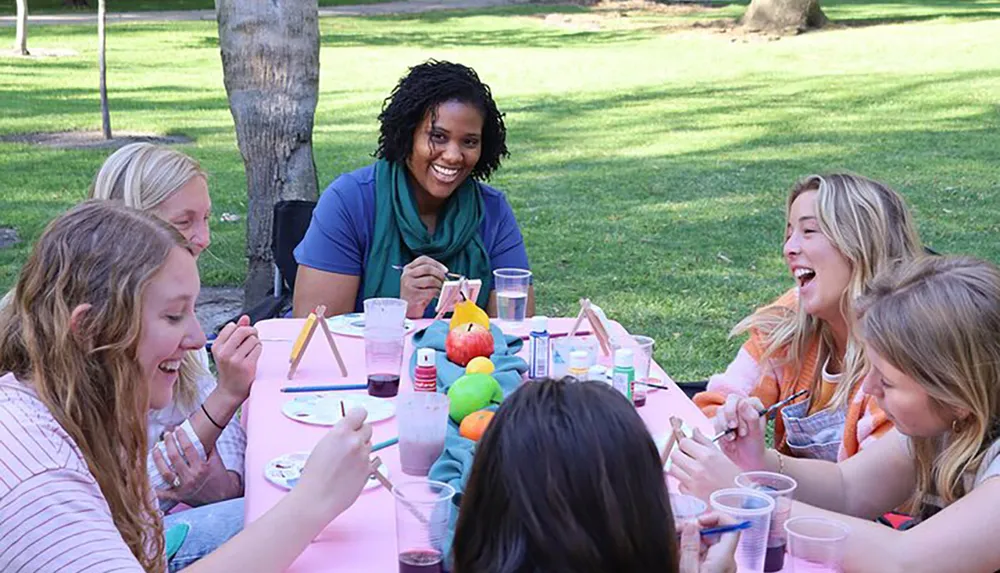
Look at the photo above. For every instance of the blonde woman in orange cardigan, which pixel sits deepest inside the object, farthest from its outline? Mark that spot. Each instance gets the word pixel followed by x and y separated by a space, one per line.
pixel 841 230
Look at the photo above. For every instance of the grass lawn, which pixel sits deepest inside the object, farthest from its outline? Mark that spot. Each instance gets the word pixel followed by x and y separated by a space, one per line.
pixel 649 167
pixel 60 7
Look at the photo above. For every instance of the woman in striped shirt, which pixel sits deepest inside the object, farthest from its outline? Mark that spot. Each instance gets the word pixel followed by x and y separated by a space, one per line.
pixel 101 318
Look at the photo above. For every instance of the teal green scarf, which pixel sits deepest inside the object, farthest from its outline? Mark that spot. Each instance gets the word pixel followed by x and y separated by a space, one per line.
pixel 400 236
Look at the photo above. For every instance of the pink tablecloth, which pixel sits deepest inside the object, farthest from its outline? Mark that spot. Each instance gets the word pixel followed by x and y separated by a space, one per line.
pixel 363 538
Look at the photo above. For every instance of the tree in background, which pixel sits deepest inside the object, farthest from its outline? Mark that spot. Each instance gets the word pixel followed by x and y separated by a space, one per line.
pixel 21 37
pixel 102 69
pixel 270 65
pixel 783 15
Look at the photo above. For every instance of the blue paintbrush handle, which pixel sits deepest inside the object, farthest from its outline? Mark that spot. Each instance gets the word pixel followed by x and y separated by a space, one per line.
pixel 292 389
pixel 385 444
pixel 727 528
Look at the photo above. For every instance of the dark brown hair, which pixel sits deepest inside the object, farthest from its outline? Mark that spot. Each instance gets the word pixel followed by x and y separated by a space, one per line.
pixel 566 480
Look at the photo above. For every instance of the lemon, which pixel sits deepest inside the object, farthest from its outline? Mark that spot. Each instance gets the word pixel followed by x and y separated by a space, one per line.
pixel 479 365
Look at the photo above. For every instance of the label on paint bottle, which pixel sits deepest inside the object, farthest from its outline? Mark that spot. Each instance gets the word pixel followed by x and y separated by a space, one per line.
pixel 538 363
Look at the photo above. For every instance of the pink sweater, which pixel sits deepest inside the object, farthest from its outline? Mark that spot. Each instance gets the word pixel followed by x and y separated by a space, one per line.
pixel 53 516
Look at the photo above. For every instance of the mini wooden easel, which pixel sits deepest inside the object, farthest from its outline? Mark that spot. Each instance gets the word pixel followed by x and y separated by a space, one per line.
pixel 596 324
pixel 315 318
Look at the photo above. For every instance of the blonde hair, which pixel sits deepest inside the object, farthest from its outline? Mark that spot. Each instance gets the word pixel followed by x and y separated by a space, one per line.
pixel 143 175
pixel 937 320
pixel 871 227
pixel 103 255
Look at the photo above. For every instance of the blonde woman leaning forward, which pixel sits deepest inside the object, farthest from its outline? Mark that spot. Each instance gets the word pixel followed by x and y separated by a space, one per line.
pixel 199 419
pixel 931 332
pixel 88 346
pixel 840 230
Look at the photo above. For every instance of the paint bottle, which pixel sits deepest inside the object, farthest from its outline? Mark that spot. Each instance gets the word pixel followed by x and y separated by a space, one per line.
pixel 425 375
pixel 578 365
pixel 538 363
pixel 623 375
pixel 598 373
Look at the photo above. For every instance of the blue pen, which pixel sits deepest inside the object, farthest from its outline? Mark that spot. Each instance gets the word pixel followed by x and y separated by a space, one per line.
pixel 292 389
pixel 386 444
pixel 727 528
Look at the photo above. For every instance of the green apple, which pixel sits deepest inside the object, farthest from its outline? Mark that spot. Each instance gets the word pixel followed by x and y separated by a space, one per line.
pixel 471 393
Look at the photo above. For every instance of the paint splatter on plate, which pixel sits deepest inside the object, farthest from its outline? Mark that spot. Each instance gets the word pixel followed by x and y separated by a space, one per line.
pixel 323 409
pixel 353 324
pixel 285 471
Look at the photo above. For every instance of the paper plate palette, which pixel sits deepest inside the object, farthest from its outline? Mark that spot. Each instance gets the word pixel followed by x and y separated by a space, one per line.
pixel 353 324
pixel 324 409
pixel 285 470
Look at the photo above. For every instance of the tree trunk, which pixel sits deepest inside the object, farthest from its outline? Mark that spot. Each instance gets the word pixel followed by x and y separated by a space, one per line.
pixel 783 15
pixel 21 37
pixel 270 65
pixel 102 68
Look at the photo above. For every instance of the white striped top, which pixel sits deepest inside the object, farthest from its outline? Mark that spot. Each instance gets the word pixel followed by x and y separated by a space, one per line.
pixel 231 444
pixel 53 516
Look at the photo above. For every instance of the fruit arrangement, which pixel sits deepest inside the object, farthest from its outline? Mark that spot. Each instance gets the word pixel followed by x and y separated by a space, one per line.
pixel 469 334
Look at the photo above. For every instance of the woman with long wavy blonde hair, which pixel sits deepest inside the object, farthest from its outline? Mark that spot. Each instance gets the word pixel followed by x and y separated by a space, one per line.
pixel 841 230
pixel 931 331
pixel 172 186
pixel 101 315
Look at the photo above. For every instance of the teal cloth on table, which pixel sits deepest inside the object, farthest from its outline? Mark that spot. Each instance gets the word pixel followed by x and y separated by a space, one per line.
pixel 455 463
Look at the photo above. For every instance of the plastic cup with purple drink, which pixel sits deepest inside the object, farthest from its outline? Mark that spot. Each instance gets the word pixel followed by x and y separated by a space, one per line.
pixel 422 511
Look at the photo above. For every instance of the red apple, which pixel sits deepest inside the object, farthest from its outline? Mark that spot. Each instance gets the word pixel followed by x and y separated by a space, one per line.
pixel 467 341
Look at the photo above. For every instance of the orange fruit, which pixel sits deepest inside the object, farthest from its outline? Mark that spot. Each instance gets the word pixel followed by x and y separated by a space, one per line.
pixel 475 424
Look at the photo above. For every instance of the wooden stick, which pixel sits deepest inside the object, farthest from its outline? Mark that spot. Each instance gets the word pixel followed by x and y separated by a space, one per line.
pixel 667 449
pixel 600 332
pixel 374 465
pixel 584 305
pixel 321 313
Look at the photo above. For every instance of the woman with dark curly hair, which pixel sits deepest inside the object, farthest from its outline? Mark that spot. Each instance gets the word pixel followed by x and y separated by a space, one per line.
pixel 421 207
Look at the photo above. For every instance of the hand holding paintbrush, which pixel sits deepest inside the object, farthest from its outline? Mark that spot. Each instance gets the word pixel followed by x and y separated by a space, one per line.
pixel 766 413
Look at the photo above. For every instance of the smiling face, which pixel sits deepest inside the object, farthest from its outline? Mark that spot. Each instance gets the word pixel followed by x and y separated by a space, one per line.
pixel 905 402
pixel 446 148
pixel 820 270
pixel 169 327
pixel 188 210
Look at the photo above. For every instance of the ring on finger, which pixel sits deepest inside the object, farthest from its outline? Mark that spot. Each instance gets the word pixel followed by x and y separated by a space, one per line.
pixel 176 483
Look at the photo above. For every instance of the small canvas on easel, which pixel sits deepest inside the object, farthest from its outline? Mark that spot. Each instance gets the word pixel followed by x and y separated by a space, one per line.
pixel 453 292
pixel 598 324
pixel 305 337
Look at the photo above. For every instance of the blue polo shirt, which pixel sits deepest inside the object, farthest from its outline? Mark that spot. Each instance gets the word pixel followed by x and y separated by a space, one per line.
pixel 339 235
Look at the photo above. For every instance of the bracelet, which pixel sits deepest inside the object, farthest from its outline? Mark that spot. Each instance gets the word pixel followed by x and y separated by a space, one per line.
pixel 781 462
pixel 209 416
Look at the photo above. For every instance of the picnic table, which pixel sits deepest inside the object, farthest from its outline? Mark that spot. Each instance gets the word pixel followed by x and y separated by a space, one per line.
pixel 363 538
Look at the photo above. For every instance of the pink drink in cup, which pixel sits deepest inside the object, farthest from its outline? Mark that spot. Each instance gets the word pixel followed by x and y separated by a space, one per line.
pixel 423 423
pixel 816 545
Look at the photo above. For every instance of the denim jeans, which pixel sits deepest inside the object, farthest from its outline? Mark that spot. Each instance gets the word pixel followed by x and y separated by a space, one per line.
pixel 211 526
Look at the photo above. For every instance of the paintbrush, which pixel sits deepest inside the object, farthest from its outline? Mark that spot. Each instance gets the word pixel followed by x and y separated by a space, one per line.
pixel 449 275
pixel 766 413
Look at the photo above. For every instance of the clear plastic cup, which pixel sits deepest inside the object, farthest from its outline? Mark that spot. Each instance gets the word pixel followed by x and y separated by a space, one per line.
pixel 685 508
pixel 564 346
pixel 781 488
pixel 816 545
pixel 755 507
pixel 511 286
pixel 423 422
pixel 642 352
pixel 384 359
pixel 422 511
pixel 385 313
